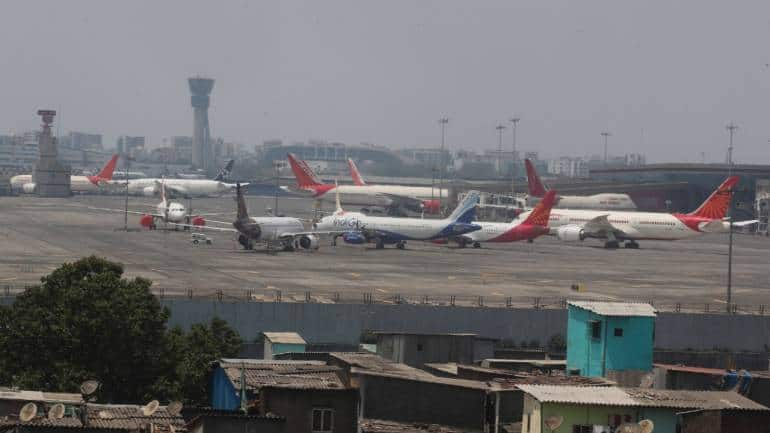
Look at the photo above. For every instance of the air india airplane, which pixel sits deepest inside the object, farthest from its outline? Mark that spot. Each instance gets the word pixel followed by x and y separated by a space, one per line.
pixel 618 226
pixel 23 182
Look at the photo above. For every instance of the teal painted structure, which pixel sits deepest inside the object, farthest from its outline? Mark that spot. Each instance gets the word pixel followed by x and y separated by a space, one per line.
pixel 597 344
pixel 279 348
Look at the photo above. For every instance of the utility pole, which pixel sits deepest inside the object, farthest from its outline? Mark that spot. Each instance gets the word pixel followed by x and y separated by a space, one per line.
pixel 731 128
pixel 125 211
pixel 500 128
pixel 277 165
pixel 605 134
pixel 443 122
pixel 515 121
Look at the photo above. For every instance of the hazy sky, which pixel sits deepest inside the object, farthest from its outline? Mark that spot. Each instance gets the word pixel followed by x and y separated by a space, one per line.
pixel 385 71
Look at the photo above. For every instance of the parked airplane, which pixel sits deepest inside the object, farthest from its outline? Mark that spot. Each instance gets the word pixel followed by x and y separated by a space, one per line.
pixel 392 197
pixel 23 182
pixel 166 212
pixel 287 232
pixel 182 187
pixel 616 226
pixel 527 226
pixel 359 228
pixel 613 201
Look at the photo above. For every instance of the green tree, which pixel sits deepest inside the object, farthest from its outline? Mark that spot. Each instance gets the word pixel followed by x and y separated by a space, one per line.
pixel 84 321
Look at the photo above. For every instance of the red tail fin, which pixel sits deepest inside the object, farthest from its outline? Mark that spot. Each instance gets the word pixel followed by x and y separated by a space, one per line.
pixel 108 169
pixel 357 179
pixel 542 212
pixel 536 188
pixel 715 207
pixel 303 172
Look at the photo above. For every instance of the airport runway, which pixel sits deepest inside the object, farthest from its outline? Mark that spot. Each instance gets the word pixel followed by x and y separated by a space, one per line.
pixel 37 235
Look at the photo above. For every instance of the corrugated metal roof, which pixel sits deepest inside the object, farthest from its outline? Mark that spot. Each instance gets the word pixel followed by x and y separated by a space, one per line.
pixel 640 397
pixel 38 396
pixel 688 369
pixel 383 426
pixel 616 308
pixel 285 337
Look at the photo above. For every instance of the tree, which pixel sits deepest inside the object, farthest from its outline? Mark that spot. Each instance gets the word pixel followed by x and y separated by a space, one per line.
pixel 84 321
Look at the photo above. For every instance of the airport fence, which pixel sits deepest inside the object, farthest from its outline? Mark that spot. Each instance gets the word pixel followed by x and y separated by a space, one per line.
pixel 365 297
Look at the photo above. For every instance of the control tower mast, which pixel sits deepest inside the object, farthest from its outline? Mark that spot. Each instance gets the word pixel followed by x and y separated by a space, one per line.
pixel 202 154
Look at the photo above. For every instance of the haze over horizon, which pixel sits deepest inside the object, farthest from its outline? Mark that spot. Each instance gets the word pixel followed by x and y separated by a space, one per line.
pixel 664 78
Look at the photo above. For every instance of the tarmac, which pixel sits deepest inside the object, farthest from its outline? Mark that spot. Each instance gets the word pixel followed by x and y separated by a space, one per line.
pixel 39 234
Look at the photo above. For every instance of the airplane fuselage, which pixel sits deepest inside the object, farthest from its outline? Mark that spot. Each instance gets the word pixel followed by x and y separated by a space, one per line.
pixel 191 187
pixel 641 225
pixel 77 183
pixel 394 229
pixel 374 195
pixel 277 228
pixel 604 201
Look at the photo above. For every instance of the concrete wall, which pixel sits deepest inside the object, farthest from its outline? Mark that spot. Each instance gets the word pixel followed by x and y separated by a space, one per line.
pixel 343 323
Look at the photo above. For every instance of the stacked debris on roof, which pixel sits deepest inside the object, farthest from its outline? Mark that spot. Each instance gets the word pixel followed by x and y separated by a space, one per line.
pixel 103 417
pixel 383 426
pixel 281 374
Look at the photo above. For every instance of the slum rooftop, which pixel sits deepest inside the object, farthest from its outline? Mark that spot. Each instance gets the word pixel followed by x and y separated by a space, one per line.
pixel 282 374
pixel 284 337
pixel 39 396
pixel 106 417
pixel 616 308
pixel 640 397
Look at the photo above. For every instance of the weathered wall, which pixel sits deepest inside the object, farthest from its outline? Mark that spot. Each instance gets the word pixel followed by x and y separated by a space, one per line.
pixel 343 323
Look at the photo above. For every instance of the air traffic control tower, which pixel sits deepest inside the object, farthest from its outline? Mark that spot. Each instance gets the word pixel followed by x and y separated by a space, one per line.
pixel 50 176
pixel 202 154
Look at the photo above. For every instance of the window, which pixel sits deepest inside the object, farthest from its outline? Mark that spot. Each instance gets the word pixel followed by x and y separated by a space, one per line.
pixel 582 428
pixel 596 329
pixel 618 332
pixel 323 420
pixel 419 347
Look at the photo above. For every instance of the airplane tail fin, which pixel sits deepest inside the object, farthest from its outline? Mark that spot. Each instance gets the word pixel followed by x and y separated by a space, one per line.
pixel 242 212
pixel 715 207
pixel 224 174
pixel 303 172
pixel 108 169
pixel 355 174
pixel 542 212
pixel 536 188
pixel 465 212
pixel 337 202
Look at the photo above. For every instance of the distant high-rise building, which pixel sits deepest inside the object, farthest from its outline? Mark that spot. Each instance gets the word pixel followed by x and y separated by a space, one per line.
pixel 82 141
pixel 202 153
pixel 182 148
pixel 50 176
pixel 132 146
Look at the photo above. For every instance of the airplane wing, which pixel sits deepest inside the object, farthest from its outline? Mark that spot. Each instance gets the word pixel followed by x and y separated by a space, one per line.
pixel 601 226
pixel 744 223
pixel 219 229
pixel 133 212
pixel 177 190
pixel 407 202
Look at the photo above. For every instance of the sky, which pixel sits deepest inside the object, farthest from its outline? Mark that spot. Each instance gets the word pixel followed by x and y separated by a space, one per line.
pixel 663 77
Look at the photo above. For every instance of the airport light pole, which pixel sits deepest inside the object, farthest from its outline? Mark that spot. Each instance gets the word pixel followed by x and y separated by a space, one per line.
pixel 731 128
pixel 606 135
pixel 443 122
pixel 125 211
pixel 500 128
pixel 277 166
pixel 514 121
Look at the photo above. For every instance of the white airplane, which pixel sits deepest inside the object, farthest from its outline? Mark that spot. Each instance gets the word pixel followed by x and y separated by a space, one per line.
pixel 183 187
pixel 618 226
pixel 607 201
pixel 392 197
pixel 359 228
pixel 287 232
pixel 23 182
pixel 166 212
pixel 528 226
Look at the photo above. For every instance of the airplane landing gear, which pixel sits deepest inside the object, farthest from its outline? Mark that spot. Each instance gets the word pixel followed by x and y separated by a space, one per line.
pixel 477 245
pixel 611 245
pixel 632 245
pixel 401 245
pixel 379 244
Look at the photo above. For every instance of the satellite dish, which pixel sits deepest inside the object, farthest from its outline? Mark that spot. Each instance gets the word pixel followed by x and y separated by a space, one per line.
pixel 646 426
pixel 174 408
pixel 150 408
pixel 554 421
pixel 56 411
pixel 171 428
pixel 27 412
pixel 89 387
pixel 629 428
pixel 105 414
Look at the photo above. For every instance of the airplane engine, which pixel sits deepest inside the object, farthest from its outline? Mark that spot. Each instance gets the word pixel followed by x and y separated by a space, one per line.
pixel 198 221
pixel 353 238
pixel 28 188
pixel 147 221
pixel 308 242
pixel 431 206
pixel 570 233
pixel 148 191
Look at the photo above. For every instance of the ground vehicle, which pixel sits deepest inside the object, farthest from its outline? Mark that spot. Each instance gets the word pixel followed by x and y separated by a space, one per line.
pixel 199 238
